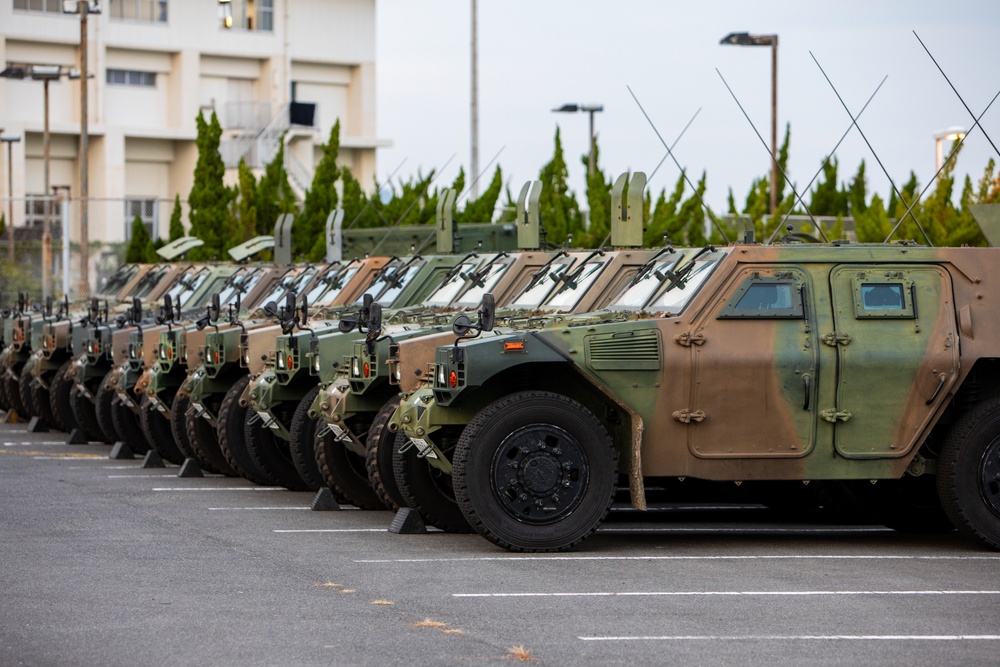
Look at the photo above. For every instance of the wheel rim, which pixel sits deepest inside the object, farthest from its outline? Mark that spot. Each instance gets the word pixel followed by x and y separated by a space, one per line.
pixel 540 474
pixel 989 476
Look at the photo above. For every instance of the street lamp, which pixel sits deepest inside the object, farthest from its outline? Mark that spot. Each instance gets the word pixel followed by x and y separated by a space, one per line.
pixel 954 133
pixel 746 39
pixel 83 8
pixel 226 13
pixel 10 140
pixel 587 108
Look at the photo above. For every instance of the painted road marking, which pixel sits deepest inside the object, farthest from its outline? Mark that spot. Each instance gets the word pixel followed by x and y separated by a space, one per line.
pixel 648 558
pixel 220 488
pixel 49 443
pixel 235 509
pixel 796 638
pixel 136 476
pixel 717 594
pixel 335 530
pixel 831 529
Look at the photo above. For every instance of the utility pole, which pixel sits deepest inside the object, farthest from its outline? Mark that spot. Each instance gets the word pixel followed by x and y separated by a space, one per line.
pixel 474 161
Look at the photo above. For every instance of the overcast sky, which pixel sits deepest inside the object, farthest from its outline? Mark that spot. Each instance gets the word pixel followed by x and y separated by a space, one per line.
pixel 537 55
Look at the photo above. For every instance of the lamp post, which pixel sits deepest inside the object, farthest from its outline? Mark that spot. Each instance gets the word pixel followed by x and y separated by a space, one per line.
pixel 83 8
pixel 590 109
pixel 954 133
pixel 746 39
pixel 474 104
pixel 10 140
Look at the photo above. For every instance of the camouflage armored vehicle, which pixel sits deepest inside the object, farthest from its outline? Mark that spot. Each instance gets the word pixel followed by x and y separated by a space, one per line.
pixel 870 366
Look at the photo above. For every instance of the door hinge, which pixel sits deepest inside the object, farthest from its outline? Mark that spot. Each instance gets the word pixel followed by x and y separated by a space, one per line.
pixel 689 339
pixel 834 339
pixel 686 416
pixel 833 415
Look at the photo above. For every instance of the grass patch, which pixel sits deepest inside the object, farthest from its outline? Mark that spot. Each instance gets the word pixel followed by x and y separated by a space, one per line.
pixel 519 653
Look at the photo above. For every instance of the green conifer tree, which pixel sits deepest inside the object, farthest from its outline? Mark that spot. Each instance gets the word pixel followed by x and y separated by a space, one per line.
pixel 176 226
pixel 664 220
pixel 209 198
pixel 274 194
pixel 560 214
pixel 140 245
pixel 245 215
pixel 308 233
pixel 598 201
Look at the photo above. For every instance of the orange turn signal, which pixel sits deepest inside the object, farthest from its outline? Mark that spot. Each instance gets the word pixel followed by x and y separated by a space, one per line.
pixel 367 369
pixel 453 380
pixel 513 346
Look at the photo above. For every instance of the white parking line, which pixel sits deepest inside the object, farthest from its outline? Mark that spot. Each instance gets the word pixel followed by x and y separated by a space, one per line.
pixel 253 509
pixel 717 594
pixel 796 638
pixel 50 443
pixel 649 558
pixel 335 530
pixel 136 476
pixel 220 488
pixel 831 529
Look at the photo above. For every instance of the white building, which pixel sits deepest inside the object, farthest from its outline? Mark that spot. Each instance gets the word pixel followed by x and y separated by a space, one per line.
pixel 155 64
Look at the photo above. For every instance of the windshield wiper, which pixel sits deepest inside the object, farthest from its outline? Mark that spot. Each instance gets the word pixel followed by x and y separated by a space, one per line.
pixel 677 277
pixel 541 272
pixel 571 279
pixel 476 277
pixel 645 268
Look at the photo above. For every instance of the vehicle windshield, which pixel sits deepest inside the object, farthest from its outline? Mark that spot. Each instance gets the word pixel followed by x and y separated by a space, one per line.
pixel 637 295
pixel 242 282
pixel 392 292
pixel 382 279
pixel 329 287
pixel 148 282
pixel 533 295
pixel 211 288
pixel 676 297
pixel 292 282
pixel 117 281
pixel 447 292
pixel 474 295
pixel 186 286
pixel 571 292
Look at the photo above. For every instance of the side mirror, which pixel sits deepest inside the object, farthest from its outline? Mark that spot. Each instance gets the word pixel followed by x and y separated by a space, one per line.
pixel 48 305
pixel 488 313
pixel 289 305
pixel 375 317
pixel 347 324
pixel 136 309
pixel 168 307
pixel 462 325
pixel 271 309
pixel 216 308
pixel 95 308
pixel 304 309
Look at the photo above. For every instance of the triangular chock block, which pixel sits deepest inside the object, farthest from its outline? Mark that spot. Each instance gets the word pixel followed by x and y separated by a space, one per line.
pixel 120 451
pixel 37 425
pixel 153 460
pixel 407 522
pixel 11 417
pixel 190 469
pixel 324 501
pixel 77 437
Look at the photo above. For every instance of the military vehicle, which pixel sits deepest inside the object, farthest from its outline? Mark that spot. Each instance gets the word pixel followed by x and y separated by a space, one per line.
pixel 867 365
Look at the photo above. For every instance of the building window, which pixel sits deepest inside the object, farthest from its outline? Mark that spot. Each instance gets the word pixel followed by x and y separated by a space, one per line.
pixel 147 211
pixel 47 6
pixel 128 77
pixel 149 11
pixel 253 15
pixel 34 212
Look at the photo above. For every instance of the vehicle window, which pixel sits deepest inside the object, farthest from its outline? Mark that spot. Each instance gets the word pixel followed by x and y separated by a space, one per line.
pixel 289 283
pixel 475 293
pixel 677 296
pixel 213 287
pixel 638 294
pixel 570 293
pixel 392 292
pixel 765 298
pixel 532 296
pixel 325 292
pixel 447 292
pixel 882 297
pixel 879 297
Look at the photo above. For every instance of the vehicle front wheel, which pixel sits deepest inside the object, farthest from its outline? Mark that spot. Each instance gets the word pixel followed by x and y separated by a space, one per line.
pixel 969 473
pixel 535 471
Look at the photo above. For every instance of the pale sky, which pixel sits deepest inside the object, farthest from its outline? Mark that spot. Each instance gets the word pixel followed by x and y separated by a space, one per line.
pixel 535 55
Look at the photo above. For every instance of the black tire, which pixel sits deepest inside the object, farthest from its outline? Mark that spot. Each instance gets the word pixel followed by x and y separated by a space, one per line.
pixel 4 398
pixel 272 455
pixel 969 473
pixel 128 427
pixel 378 457
pixel 344 471
pixel 60 401
pixel 574 480
pixel 205 443
pixel 13 392
pixel 24 394
pixel 302 442
pixel 156 428
pixel 232 438
pixel 85 414
pixel 427 489
pixel 103 407
pixel 178 425
pixel 41 405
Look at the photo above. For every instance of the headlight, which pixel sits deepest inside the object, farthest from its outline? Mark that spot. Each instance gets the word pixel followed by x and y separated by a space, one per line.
pixel 245 356
pixel 355 367
pixel 281 360
pixel 316 363
pixel 132 352
pixel 398 373
pixel 440 375
pixel 163 351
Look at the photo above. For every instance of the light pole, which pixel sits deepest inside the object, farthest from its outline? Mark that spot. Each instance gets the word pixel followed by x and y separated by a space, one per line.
pixel 83 8
pixel 746 39
pixel 954 133
pixel 474 124
pixel 10 140
pixel 590 109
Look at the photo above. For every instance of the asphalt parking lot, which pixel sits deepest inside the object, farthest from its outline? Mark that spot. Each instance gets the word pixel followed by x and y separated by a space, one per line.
pixel 107 563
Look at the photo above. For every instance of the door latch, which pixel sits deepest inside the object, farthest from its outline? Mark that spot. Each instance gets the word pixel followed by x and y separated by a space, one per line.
pixel 688 339
pixel 834 339
pixel 686 416
pixel 833 415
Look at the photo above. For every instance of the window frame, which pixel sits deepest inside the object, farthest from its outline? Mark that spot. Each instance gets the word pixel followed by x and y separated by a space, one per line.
pixel 731 311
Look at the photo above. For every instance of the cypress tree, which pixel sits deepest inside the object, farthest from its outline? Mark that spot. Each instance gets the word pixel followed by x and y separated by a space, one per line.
pixel 274 195
pixel 245 218
pixel 481 209
pixel 209 198
pixel 140 245
pixel 357 211
pixel 665 220
pixel 598 201
pixel 308 234
pixel 176 226
pixel 559 211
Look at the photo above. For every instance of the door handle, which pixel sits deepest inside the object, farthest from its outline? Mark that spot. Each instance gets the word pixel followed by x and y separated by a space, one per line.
pixel 941 380
pixel 807 381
